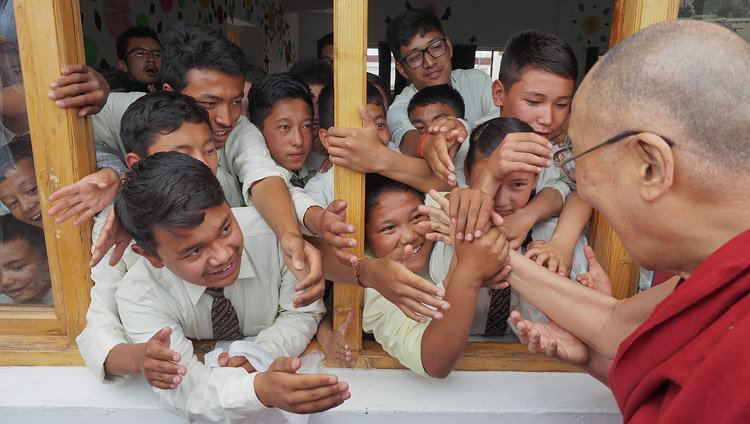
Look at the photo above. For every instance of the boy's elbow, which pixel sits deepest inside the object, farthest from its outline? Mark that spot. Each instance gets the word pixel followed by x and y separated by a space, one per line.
pixel 439 373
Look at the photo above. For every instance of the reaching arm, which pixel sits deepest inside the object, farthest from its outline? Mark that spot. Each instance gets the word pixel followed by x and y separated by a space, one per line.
pixel 546 204
pixel 601 321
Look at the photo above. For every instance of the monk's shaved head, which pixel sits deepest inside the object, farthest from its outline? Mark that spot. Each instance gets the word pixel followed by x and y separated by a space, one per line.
pixel 685 80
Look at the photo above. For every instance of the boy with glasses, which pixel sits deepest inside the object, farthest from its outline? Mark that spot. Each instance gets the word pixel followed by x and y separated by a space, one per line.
pixel 423 55
pixel 139 56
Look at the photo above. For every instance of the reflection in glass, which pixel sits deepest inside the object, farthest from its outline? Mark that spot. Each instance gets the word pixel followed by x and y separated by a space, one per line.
pixel 24 270
pixel 734 14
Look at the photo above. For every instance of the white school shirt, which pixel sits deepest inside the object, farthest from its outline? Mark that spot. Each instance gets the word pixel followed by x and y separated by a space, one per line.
pixel 150 299
pixel 244 156
pixel 475 87
pixel 320 187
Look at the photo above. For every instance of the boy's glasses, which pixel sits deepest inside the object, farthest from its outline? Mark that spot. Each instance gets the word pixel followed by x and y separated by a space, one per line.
pixel 565 160
pixel 141 53
pixel 435 49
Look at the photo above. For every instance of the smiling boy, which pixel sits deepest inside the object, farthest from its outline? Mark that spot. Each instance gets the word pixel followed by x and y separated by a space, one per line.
pixel 24 272
pixel 18 188
pixel 423 55
pixel 204 260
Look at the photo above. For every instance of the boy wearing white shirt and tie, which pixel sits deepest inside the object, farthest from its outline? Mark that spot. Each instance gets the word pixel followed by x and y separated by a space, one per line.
pixel 214 272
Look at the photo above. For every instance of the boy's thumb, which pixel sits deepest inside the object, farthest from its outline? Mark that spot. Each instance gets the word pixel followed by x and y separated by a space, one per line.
pixel 285 365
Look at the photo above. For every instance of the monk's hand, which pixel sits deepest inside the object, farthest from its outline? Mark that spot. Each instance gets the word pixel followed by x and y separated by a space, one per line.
pixel 550 339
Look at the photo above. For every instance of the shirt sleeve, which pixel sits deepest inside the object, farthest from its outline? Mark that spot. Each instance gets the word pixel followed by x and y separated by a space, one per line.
pixel 398 115
pixel 320 187
pixel 400 336
pixel 103 329
pixel 107 122
pixel 106 157
pixel 302 202
pixel 205 394
pixel 552 177
pixel 293 328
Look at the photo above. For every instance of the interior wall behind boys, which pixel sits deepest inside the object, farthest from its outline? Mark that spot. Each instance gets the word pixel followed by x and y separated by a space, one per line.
pixel 268 34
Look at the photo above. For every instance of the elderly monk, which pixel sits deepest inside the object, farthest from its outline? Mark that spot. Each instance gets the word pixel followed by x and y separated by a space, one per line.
pixel 661 131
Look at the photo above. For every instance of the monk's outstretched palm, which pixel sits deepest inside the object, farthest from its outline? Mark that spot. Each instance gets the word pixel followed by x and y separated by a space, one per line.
pixel 552 340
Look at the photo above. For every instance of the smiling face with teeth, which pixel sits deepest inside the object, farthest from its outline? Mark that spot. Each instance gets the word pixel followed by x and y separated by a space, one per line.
pixel 392 224
pixel 220 94
pixel 18 192
pixel 207 255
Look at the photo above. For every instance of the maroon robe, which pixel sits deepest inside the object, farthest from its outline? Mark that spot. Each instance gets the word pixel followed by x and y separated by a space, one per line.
pixel 690 361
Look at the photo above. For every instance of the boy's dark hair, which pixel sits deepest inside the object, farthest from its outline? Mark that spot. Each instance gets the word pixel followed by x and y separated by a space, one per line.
pixel 376 184
pixel 17 150
pixel 378 82
pixel 442 93
pixel 267 91
pixel 488 136
pixel 313 71
pixel 326 40
pixel 195 46
pixel 159 113
pixel 165 190
pixel 406 26
pixel 253 72
pixel 133 32
pixel 325 103
pixel 536 50
pixel 12 229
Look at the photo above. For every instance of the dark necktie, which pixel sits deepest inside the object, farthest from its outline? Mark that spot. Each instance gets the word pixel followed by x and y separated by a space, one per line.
pixel 224 319
pixel 297 181
pixel 497 317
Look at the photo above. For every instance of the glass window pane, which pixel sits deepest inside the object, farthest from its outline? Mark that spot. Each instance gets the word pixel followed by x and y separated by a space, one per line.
pixel 734 15
pixel 24 271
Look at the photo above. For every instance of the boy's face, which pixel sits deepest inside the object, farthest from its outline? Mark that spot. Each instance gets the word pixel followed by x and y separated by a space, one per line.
pixel 191 139
pixel 434 71
pixel 18 192
pixel 541 99
pixel 393 224
pixel 377 113
pixel 207 255
pixel 145 69
pixel 288 133
pixel 221 95
pixel 513 193
pixel 424 116
pixel 24 274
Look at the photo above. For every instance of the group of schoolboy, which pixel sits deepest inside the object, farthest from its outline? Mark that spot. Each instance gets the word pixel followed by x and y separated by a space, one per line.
pixel 225 225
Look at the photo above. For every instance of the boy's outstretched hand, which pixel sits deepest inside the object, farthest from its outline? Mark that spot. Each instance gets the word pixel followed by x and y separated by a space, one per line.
pixel 80 86
pixel 330 225
pixel 518 152
pixel 159 363
pixel 283 388
pixel 336 347
pixel 556 256
pixel 552 340
pixel 596 278
pixel 473 212
pixel 411 293
pixel 484 258
pixel 89 196
pixel 112 234
pixel 440 149
pixel 310 277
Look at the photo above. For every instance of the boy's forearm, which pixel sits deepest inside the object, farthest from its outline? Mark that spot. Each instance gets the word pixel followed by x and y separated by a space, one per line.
pixel 274 203
pixel 444 340
pixel 123 359
pixel 574 216
pixel 410 142
pixel 413 172
pixel 546 204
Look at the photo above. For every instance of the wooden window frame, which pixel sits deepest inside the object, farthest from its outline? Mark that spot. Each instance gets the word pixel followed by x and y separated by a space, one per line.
pixel 63 153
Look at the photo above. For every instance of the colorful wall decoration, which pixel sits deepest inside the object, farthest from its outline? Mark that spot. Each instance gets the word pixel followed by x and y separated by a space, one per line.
pixel 104 20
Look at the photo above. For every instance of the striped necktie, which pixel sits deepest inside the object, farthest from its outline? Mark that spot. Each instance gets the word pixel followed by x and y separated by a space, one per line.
pixel 224 319
pixel 497 317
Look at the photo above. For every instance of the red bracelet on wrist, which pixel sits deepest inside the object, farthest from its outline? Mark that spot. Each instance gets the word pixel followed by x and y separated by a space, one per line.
pixel 356 272
pixel 419 149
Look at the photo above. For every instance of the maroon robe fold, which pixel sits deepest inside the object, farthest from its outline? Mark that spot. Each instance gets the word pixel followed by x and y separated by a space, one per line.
pixel 690 361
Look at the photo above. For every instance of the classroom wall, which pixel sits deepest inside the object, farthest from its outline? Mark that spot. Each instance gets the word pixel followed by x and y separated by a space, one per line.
pixel 488 24
pixel 267 33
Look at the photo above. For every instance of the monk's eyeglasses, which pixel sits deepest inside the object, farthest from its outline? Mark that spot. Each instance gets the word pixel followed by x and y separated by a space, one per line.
pixel 565 160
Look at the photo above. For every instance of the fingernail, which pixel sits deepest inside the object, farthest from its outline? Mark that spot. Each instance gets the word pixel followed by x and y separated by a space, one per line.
pixel 478 233
pixel 331 380
pixel 174 380
pixel 352 243
pixel 460 236
pixel 549 145
pixel 469 237
pixel 438 315
pixel 59 103
pixel 51 95
pixel 299 265
pixel 441 294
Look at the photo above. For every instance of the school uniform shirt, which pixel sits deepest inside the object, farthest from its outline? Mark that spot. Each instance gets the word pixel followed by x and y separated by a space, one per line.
pixel 475 87
pixel 687 363
pixel 244 156
pixel 320 187
pixel 150 299
pixel 401 336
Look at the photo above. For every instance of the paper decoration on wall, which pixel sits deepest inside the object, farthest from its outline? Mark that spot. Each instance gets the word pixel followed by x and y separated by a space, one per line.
pixel 166 5
pixel 117 15
pixel 594 23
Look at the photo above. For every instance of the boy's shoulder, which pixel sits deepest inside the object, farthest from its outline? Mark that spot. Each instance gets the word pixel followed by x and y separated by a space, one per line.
pixel 457 75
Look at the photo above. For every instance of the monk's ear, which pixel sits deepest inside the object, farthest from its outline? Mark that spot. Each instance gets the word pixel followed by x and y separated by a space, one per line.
pixel 131 158
pixel 498 93
pixel 153 259
pixel 655 165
